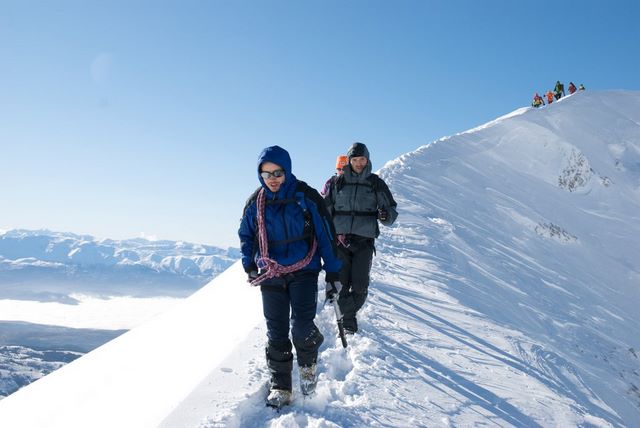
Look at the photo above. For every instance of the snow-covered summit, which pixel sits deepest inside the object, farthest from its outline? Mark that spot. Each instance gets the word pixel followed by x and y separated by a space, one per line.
pixel 505 295
pixel 533 223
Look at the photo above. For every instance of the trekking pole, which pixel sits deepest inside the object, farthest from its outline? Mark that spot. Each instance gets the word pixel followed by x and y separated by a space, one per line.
pixel 343 338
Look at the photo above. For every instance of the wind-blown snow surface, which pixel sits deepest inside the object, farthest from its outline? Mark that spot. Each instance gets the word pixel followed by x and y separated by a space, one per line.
pixel 507 294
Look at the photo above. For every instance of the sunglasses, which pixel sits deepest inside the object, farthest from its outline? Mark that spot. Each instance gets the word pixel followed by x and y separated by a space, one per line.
pixel 267 175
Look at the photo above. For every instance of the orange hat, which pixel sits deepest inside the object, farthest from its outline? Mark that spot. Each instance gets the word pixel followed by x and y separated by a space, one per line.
pixel 342 161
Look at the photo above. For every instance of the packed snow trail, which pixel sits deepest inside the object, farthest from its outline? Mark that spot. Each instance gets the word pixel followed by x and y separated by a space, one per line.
pixel 419 360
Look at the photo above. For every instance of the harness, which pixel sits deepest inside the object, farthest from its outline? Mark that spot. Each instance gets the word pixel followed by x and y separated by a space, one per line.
pixel 270 266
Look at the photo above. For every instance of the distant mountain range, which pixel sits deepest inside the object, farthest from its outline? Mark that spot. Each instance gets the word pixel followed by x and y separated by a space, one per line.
pixel 46 266
pixel 30 351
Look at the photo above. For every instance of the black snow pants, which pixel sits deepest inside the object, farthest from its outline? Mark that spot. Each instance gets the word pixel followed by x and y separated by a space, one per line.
pixel 290 301
pixel 356 265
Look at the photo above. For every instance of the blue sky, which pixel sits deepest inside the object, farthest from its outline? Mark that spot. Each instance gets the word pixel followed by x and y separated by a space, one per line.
pixel 128 118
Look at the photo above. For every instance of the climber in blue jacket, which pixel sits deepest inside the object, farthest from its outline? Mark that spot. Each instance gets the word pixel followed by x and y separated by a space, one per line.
pixel 285 235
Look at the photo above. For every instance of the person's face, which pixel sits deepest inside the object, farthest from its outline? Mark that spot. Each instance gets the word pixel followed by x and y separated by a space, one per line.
pixel 272 182
pixel 358 163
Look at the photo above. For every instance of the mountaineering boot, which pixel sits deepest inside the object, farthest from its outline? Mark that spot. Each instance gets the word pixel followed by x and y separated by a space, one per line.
pixel 308 379
pixel 280 364
pixel 307 351
pixel 350 325
pixel 278 398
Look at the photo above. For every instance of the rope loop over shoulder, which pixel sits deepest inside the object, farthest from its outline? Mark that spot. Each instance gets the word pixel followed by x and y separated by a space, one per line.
pixel 271 267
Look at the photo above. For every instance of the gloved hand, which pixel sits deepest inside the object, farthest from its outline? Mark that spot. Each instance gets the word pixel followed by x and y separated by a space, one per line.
pixel 252 275
pixel 383 214
pixel 332 289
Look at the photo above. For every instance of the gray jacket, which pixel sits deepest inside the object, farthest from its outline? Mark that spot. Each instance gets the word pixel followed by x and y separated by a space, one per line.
pixel 354 200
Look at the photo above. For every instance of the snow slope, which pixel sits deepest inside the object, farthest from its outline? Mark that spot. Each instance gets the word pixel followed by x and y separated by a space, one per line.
pixel 137 378
pixel 505 295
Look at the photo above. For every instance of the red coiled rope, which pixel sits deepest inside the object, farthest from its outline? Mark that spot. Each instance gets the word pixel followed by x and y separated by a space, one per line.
pixel 273 268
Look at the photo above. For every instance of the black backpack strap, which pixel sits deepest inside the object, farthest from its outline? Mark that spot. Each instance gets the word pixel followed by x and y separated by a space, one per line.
pixel 304 190
pixel 342 182
pixel 339 183
pixel 251 200
pixel 356 213
pixel 247 204
pixel 326 225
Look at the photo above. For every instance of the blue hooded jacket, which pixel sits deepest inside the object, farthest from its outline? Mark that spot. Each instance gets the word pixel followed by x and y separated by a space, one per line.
pixel 285 222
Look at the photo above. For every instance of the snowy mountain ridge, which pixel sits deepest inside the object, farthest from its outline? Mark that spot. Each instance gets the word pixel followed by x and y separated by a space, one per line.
pixel 534 222
pixel 505 295
pixel 34 259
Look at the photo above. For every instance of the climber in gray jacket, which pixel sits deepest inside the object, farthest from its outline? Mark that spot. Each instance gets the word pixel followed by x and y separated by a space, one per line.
pixel 357 201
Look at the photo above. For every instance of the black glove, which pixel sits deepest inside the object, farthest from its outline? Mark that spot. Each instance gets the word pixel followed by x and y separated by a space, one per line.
pixel 383 214
pixel 332 289
pixel 252 275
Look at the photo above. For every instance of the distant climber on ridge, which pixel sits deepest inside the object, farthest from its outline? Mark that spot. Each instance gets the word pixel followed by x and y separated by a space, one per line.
pixel 558 90
pixel 549 95
pixel 537 100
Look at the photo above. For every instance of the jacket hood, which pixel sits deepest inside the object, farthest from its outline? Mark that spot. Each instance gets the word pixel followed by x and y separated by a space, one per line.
pixel 358 149
pixel 280 157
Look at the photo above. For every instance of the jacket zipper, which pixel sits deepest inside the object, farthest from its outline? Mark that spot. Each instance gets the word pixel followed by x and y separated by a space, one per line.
pixel 353 208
